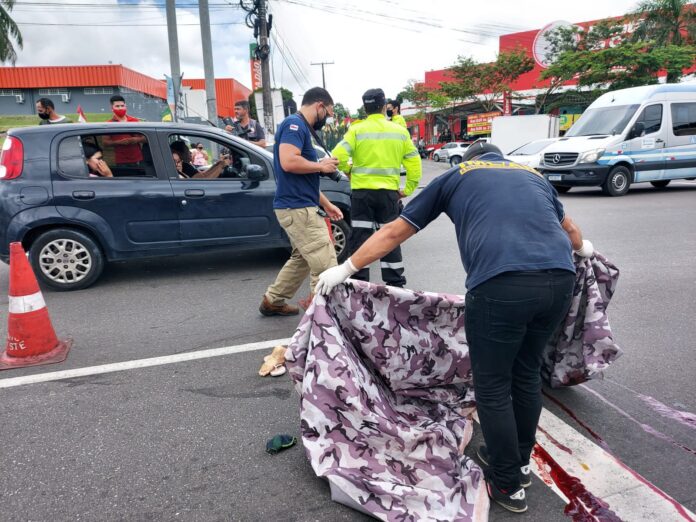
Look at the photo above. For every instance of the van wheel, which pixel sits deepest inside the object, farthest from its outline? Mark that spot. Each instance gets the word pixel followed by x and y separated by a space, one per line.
pixel 660 183
pixel 341 235
pixel 561 189
pixel 66 259
pixel 618 181
pixel 455 161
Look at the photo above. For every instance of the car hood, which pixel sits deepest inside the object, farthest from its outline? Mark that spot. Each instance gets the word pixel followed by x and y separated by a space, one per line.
pixel 582 143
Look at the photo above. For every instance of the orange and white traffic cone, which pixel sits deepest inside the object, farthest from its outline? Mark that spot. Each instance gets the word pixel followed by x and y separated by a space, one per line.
pixel 31 339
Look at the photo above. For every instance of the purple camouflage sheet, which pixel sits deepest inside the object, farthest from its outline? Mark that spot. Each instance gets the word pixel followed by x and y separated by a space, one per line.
pixel 387 397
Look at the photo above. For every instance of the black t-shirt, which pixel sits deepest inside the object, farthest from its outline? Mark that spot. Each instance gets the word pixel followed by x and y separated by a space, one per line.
pixel 255 133
pixel 188 170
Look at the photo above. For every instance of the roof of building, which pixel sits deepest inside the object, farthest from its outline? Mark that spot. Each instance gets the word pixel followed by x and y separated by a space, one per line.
pixel 228 90
pixel 80 76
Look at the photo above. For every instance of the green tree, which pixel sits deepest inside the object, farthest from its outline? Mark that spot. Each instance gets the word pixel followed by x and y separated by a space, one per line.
pixel 340 112
pixel 661 23
pixel 9 33
pixel 628 64
pixel 486 82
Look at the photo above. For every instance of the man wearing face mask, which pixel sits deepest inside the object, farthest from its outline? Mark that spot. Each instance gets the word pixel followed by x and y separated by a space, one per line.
pixel 378 148
pixel 127 147
pixel 297 201
pixel 394 112
pixel 47 112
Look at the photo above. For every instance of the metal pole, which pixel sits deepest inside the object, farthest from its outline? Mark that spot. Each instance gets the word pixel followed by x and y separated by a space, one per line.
pixel 323 79
pixel 173 53
pixel 265 69
pixel 208 61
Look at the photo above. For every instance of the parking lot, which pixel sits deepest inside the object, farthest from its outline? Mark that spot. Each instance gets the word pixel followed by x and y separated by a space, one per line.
pixel 185 440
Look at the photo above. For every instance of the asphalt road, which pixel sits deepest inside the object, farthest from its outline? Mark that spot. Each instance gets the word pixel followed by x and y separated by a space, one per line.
pixel 186 441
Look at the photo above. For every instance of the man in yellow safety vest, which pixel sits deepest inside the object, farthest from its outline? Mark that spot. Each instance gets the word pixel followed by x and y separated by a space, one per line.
pixel 378 148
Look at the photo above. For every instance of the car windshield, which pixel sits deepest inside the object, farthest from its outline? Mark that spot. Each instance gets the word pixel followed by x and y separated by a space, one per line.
pixel 603 121
pixel 531 148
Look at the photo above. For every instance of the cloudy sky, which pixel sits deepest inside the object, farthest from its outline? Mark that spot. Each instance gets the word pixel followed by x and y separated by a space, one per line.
pixel 372 42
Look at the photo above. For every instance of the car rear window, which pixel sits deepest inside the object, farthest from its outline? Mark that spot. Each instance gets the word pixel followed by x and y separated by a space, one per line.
pixel 106 156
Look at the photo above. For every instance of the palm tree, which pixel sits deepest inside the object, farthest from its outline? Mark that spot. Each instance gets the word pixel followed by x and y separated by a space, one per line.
pixel 666 22
pixel 8 32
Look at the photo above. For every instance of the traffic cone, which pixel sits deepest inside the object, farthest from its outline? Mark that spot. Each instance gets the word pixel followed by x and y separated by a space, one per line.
pixel 31 339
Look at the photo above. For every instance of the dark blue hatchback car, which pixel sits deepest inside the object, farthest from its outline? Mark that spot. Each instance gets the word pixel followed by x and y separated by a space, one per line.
pixel 72 218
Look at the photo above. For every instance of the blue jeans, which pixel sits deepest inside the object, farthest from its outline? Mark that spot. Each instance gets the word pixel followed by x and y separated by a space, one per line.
pixel 509 319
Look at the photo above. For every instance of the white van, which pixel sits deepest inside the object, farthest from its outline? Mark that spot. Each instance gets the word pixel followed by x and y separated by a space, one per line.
pixel 628 136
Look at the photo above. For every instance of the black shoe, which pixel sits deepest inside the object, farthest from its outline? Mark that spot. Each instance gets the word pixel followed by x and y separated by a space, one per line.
pixel 525 471
pixel 512 501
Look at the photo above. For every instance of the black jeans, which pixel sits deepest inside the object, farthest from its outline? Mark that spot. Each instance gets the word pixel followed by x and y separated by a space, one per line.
pixel 508 320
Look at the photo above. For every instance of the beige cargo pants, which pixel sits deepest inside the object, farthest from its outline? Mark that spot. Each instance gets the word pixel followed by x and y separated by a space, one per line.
pixel 312 252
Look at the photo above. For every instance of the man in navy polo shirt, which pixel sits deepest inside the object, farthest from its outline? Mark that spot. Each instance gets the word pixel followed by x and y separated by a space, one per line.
pixel 516 245
pixel 297 201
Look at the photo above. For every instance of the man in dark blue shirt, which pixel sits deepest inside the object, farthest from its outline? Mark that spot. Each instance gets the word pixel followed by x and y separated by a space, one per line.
pixel 516 245
pixel 297 201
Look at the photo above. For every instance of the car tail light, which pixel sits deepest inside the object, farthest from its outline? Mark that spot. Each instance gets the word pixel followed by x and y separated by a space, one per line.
pixel 11 158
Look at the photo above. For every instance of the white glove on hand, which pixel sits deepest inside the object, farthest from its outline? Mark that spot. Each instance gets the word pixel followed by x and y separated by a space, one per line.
pixel 586 250
pixel 334 276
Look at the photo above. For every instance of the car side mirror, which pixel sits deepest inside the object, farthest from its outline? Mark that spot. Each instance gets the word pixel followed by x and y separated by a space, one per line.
pixel 256 172
pixel 637 130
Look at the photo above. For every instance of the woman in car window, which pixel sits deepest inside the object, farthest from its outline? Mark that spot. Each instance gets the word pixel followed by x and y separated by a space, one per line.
pixel 95 161
pixel 199 156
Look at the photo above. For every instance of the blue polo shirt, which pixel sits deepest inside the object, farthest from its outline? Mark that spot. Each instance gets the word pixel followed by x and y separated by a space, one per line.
pixel 507 218
pixel 295 190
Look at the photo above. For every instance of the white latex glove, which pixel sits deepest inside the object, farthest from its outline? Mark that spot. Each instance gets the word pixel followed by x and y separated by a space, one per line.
pixel 586 250
pixel 334 276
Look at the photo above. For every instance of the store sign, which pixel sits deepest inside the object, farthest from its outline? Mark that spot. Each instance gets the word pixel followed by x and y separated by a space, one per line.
pixel 566 121
pixel 480 123
pixel 256 82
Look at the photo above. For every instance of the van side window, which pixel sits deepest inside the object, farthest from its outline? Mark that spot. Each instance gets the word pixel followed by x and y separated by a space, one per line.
pixel 102 156
pixel 651 117
pixel 684 119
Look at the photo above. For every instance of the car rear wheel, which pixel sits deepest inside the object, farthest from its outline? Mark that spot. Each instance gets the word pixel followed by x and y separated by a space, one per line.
pixel 341 235
pixel 618 181
pixel 662 183
pixel 455 160
pixel 66 259
pixel 436 157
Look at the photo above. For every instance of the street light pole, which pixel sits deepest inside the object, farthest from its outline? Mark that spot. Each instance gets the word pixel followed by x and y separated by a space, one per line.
pixel 173 53
pixel 211 100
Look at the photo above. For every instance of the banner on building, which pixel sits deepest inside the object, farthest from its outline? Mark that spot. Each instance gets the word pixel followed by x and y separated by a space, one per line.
pixel 480 123
pixel 507 103
pixel 256 82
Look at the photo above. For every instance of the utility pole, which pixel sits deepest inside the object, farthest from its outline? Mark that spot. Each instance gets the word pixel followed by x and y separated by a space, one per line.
pixel 211 101
pixel 173 53
pixel 323 78
pixel 263 52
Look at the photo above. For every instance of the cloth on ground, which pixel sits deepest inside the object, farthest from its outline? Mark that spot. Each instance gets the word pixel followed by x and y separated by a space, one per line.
pixel 387 397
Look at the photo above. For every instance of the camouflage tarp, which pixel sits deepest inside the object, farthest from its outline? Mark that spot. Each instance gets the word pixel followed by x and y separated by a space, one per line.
pixel 386 395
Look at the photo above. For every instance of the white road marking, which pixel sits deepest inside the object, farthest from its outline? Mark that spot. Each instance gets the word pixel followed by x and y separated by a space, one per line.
pixel 628 494
pixel 138 363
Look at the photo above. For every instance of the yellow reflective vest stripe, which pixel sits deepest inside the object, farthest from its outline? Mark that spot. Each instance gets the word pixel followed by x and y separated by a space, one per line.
pixel 378 148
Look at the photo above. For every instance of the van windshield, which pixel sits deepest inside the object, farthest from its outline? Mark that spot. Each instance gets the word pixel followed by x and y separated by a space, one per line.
pixel 603 121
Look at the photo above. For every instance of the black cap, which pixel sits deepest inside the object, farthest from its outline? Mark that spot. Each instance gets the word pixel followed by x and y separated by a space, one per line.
pixel 374 97
pixel 479 148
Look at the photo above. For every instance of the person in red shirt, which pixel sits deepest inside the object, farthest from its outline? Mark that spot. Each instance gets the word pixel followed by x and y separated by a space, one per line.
pixel 127 147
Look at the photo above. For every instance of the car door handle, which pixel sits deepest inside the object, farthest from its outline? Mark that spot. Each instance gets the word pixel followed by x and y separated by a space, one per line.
pixel 194 193
pixel 83 194
pixel 659 140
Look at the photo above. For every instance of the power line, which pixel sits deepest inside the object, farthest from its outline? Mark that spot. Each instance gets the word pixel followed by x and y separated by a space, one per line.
pixel 85 25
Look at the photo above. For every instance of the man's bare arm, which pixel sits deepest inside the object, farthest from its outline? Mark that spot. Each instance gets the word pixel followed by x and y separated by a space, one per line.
pixel 382 242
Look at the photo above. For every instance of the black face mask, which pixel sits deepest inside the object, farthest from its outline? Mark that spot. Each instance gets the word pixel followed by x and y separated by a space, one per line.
pixel 319 124
pixel 44 115
pixel 390 113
